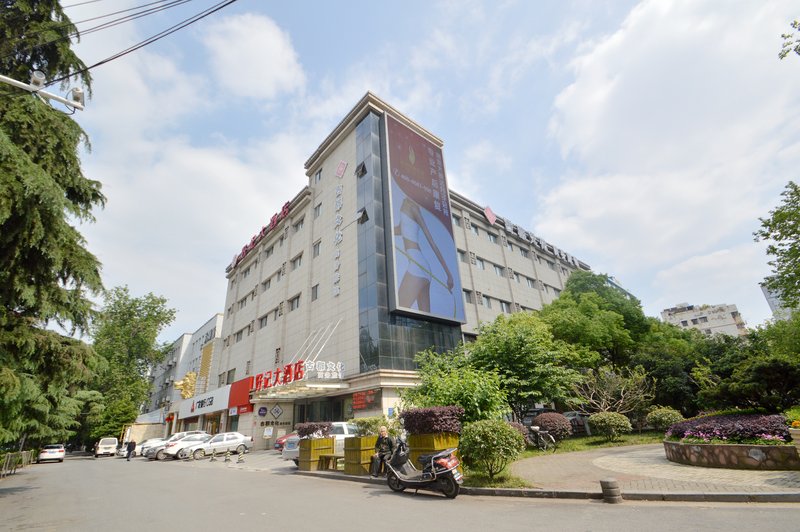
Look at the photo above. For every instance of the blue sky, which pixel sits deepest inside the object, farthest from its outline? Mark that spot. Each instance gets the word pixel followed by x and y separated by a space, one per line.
pixel 645 138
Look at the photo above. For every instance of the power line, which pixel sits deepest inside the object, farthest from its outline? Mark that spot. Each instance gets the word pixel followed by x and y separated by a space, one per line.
pixel 186 22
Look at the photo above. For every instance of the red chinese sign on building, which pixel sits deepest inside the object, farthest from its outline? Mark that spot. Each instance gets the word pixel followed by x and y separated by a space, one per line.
pixel 280 376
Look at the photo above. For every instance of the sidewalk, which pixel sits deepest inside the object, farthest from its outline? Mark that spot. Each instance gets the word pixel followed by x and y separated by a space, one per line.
pixel 642 471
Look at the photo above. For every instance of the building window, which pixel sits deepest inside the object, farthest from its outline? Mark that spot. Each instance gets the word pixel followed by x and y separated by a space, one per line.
pixel 703 319
pixel 294 303
pixel 510 245
pixel 487 302
pixel 317 210
pixel 242 302
pixel 247 367
pixel 265 285
pixel 492 237
pixel 468 296
pixel 262 321
pixel 268 252
pixel 245 272
pixel 480 263
pixel 462 256
pixel 221 379
pixel 297 262
pixel 299 224
pixel 318 176
pixel 278 276
pixel 518 277
pixel 498 270
pixel 275 313
pixel 505 307
pixel 523 252
pixel 315 249
pixel 551 265
pixel 557 292
pixel 238 336
pixel 315 292
pixel 280 241
pixel 474 229
pixel 684 323
pixel 231 376
pixel 457 220
pixel 694 321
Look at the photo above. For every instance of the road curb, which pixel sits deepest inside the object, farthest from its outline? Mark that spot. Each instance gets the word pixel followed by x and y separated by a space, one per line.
pixel 540 493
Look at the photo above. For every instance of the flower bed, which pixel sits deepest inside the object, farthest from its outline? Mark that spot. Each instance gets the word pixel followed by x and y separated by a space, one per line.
pixel 735 441
pixel 734 456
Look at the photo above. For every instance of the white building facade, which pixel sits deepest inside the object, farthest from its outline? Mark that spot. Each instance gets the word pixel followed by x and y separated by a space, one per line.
pixel 709 319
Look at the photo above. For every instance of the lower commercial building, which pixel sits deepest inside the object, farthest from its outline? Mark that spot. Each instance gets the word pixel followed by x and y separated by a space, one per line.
pixel 371 262
pixel 709 319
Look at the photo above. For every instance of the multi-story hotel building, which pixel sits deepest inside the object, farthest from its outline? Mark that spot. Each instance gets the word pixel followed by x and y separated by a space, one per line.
pixel 371 262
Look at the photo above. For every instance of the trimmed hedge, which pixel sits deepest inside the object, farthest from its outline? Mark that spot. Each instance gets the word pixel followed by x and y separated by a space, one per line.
pixel 610 424
pixel 556 424
pixel 663 418
pixel 490 445
pixel 736 428
pixel 519 427
pixel 432 420
pixel 313 430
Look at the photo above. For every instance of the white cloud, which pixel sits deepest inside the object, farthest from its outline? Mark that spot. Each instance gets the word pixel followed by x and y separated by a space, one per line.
pixel 252 57
pixel 680 131
pixel 476 162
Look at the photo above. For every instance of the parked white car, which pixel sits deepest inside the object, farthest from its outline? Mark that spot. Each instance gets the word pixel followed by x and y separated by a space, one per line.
pixel 220 444
pixel 339 430
pixel 177 449
pixel 106 447
pixel 156 452
pixel 52 452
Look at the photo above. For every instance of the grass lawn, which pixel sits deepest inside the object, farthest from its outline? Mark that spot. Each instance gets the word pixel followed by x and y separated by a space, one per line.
pixel 578 443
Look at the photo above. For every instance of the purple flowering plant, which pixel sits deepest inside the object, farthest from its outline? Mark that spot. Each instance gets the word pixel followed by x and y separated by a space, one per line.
pixel 754 429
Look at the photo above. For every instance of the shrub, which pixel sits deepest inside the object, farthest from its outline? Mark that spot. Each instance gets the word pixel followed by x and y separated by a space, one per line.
pixel 610 424
pixel 664 417
pixel 490 445
pixel 432 420
pixel 793 415
pixel 736 428
pixel 554 423
pixel 519 427
pixel 313 430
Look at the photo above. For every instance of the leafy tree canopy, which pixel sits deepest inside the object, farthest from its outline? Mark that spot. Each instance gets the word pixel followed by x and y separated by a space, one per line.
pixel 782 232
pixel 533 366
pixel 450 379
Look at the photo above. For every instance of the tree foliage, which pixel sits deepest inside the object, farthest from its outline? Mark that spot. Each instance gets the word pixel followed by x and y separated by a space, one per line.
pixel 781 231
pixel 491 445
pixel 790 42
pixel 609 390
pixel 533 366
pixel 450 379
pixel 46 272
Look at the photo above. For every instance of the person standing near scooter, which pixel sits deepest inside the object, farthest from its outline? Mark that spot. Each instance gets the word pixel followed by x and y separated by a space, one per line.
pixel 384 448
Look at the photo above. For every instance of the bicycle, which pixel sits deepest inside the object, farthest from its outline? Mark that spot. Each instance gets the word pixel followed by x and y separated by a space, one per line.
pixel 542 439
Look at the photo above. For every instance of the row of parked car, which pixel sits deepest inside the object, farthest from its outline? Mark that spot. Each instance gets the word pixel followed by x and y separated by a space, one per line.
pixel 196 444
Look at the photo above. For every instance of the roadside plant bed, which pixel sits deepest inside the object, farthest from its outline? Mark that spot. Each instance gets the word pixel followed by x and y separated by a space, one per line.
pixel 739 441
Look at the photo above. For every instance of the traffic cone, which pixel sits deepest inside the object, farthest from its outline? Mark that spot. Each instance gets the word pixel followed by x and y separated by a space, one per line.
pixel 228 455
pixel 240 458
pixel 213 456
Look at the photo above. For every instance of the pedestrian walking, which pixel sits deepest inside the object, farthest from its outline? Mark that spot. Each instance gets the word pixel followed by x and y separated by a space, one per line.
pixel 131 448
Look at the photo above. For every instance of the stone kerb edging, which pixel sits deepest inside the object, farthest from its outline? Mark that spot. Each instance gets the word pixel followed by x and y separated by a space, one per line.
pixel 734 456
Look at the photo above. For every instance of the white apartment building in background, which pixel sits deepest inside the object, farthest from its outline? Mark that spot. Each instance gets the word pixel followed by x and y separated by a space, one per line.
pixel 709 319
pixel 779 312
pixel 374 260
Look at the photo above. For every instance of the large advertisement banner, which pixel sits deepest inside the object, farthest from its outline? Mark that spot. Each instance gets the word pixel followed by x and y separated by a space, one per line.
pixel 426 279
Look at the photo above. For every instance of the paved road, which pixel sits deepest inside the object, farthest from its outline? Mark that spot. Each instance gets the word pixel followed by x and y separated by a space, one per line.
pixel 112 495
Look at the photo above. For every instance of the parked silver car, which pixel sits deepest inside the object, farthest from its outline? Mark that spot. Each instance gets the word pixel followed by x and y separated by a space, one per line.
pixel 157 451
pixel 220 444
pixel 178 449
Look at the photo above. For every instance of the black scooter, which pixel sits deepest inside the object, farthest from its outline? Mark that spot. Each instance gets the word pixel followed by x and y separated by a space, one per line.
pixel 439 471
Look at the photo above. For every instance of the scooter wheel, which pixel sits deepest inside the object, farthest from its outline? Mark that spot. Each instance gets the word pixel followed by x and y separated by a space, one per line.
pixel 394 482
pixel 449 487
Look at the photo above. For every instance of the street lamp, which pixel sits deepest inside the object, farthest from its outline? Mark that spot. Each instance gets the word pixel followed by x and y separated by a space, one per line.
pixel 76 100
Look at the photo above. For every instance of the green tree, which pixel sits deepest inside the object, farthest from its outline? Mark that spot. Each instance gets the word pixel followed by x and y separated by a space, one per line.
pixel 46 272
pixel 608 390
pixel 449 379
pixel 611 298
pixel 125 335
pixel 579 319
pixel 533 366
pixel 790 43
pixel 782 232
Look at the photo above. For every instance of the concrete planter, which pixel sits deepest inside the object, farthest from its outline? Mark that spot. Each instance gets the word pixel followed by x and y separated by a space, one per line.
pixel 734 456
pixel 358 451
pixel 311 449
pixel 795 433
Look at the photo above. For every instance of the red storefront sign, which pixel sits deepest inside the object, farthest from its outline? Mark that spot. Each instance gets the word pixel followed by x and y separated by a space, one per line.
pixel 280 376
pixel 247 248
pixel 240 395
pixel 365 400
